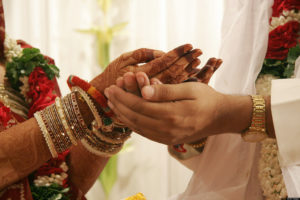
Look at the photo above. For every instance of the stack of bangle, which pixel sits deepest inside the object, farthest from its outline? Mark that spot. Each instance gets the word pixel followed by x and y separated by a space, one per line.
pixel 62 125
pixel 59 125
pixel 106 135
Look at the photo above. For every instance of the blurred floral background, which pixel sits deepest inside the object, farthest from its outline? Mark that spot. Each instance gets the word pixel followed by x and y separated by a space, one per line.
pixel 84 35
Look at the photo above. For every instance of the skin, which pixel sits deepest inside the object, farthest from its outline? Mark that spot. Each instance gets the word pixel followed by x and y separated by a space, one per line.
pixel 30 149
pixel 184 112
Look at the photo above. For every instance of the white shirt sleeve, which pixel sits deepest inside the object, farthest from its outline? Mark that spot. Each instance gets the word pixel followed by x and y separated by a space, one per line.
pixel 285 102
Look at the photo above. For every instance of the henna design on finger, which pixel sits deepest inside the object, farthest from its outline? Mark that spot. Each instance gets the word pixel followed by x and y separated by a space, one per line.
pixel 205 74
pixel 178 72
pixel 192 65
pixel 143 54
pixel 157 65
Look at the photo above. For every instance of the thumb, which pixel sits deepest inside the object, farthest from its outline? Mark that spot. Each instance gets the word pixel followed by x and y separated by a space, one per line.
pixel 171 92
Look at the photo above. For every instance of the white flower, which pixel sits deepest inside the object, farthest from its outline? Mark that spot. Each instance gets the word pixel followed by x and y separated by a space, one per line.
pixel 287 16
pixel 11 49
pixel 263 84
pixel 270 174
pixel 53 178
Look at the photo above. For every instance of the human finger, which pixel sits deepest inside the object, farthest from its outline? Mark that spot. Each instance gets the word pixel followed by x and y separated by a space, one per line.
pixel 142 79
pixel 120 82
pixel 138 104
pixel 171 92
pixel 141 55
pixel 136 121
pixel 205 74
pixel 137 127
pixel 130 83
pixel 159 64
pixel 179 70
pixel 155 81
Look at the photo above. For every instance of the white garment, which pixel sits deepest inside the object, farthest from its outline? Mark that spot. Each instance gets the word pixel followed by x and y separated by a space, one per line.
pixel 227 169
pixel 286 117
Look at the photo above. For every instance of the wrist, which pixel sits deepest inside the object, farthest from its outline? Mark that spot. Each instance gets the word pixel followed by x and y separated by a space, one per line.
pixel 237 113
pixel 269 120
pixel 98 83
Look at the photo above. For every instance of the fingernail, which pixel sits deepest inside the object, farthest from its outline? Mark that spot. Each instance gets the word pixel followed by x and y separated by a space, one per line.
pixel 140 80
pixel 106 93
pixel 110 105
pixel 148 92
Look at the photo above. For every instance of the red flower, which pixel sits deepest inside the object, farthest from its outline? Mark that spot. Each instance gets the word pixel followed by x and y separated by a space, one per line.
pixel 52 166
pixel 280 5
pixel 282 39
pixel 41 91
pixel 5 115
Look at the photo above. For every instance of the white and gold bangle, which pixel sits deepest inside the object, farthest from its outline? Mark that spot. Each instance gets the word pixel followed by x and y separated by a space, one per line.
pixel 62 116
pixel 45 134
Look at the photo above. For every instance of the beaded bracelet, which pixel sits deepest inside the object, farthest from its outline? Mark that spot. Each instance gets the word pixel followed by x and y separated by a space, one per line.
pixel 92 91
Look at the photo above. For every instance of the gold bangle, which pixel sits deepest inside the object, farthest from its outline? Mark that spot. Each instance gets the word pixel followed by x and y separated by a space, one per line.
pixel 45 134
pixel 61 114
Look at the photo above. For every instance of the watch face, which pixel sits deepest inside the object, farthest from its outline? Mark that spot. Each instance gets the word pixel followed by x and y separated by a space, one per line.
pixel 254 136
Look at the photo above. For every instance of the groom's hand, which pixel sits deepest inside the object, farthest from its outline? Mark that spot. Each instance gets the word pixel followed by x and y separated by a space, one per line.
pixel 176 114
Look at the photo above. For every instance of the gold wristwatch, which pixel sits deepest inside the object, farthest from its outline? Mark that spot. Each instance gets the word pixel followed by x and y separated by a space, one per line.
pixel 257 131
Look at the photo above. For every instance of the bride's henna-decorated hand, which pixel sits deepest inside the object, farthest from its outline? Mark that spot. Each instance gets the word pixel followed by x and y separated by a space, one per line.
pixel 159 62
pixel 135 82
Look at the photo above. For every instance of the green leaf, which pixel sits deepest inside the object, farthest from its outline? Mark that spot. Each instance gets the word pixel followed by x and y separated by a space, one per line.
pixel 293 54
pixel 109 175
pixel 289 71
pixel 24 65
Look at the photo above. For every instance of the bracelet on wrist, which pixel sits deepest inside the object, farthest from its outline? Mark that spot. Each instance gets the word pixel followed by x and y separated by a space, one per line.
pixel 257 130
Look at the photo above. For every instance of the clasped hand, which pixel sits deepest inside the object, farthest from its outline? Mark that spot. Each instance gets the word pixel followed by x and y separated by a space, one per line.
pixel 170 114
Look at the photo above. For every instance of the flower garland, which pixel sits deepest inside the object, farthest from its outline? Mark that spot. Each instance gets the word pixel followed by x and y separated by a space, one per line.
pixel 283 50
pixel 32 73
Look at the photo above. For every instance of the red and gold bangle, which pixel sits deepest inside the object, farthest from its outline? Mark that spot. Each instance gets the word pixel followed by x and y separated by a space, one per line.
pixel 92 91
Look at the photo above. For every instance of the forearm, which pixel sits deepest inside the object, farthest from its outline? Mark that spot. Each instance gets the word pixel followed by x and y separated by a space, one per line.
pixel 22 150
pixel 238 114
pixel 85 168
